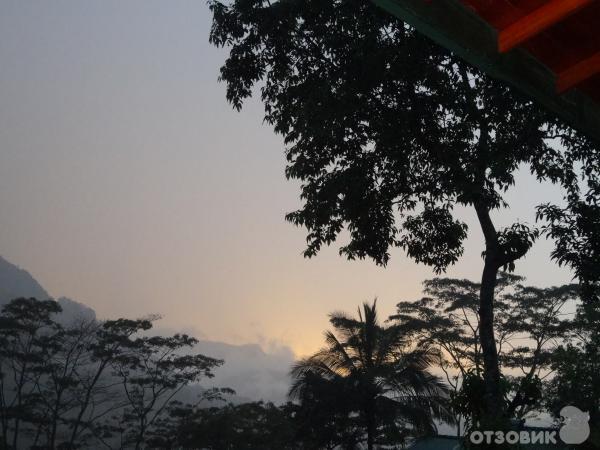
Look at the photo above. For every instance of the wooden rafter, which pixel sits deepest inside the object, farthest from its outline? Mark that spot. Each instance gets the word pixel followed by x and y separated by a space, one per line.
pixel 537 21
pixel 578 73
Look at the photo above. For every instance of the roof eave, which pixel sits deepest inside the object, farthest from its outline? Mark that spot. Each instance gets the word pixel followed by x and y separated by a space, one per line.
pixel 454 26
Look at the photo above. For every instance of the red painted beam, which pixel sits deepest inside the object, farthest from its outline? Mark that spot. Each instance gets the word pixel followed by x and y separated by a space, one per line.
pixel 537 21
pixel 578 73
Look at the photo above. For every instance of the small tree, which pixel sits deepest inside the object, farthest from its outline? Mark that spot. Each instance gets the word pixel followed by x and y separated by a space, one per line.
pixel 374 368
pixel 59 386
pixel 28 334
pixel 95 395
pixel 151 374
pixel 388 132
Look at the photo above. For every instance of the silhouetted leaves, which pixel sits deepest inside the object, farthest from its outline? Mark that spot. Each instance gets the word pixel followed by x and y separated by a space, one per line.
pixel 379 121
pixel 59 384
pixel 530 324
pixel 372 373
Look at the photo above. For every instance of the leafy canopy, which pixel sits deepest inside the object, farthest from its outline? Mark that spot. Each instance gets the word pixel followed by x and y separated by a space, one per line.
pixel 387 132
pixel 529 325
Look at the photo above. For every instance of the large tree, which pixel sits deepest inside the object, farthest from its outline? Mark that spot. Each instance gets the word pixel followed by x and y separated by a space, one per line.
pixel 388 132
pixel 529 325
pixel 379 377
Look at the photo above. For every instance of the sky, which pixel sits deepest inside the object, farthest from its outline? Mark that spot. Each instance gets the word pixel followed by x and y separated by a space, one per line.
pixel 129 184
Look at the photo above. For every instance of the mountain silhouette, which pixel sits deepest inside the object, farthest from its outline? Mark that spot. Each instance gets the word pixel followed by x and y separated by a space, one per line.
pixel 16 282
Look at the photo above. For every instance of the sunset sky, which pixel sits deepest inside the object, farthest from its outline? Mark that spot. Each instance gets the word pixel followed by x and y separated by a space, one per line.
pixel 129 184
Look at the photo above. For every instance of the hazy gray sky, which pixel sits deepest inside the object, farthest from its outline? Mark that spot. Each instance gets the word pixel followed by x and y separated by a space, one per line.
pixel 127 182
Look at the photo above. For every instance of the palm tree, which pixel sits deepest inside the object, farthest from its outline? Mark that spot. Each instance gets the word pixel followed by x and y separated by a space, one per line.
pixel 386 380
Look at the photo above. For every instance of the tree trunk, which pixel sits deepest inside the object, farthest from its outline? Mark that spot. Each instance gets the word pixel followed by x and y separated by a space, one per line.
pixel 142 431
pixel 370 419
pixel 491 370
pixel 55 418
pixel 493 401
pixel 370 436
pixel 3 416
pixel 86 402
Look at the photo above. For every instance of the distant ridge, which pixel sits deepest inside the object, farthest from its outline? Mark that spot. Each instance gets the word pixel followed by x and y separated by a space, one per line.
pixel 253 373
pixel 16 282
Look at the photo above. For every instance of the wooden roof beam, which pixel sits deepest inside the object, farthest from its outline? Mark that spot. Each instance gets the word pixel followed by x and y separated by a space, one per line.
pixel 578 73
pixel 537 21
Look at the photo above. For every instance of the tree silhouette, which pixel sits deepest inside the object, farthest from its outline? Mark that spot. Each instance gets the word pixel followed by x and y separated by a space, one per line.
pixel 325 415
pixel 95 396
pixel 27 336
pixel 577 372
pixel 387 132
pixel 373 368
pixel 151 373
pixel 247 426
pixel 59 384
pixel 530 324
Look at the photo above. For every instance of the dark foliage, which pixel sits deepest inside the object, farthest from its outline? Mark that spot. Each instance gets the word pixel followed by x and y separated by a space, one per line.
pixel 388 132
pixel 530 324
pixel 61 385
pixel 383 384
pixel 577 372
